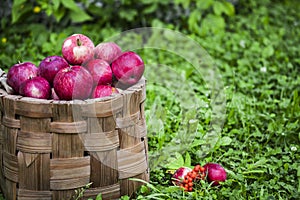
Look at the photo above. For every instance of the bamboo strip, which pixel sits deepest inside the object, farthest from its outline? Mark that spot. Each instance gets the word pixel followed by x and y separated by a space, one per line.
pixel 24 194
pixel 107 192
pixel 69 173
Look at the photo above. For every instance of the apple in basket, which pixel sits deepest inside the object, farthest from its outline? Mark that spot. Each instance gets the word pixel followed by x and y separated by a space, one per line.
pixel 49 67
pixel 100 71
pixel 74 82
pixel 107 51
pixel 77 49
pixel 103 91
pixel 19 73
pixel 128 68
pixel 36 87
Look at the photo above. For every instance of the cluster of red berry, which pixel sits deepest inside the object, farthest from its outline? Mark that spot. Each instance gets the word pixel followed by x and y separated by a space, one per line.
pixel 198 173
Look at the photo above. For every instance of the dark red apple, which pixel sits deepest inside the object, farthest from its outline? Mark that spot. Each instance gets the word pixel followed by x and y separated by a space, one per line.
pixel 74 82
pixel 49 67
pixel 215 173
pixel 128 68
pixel 19 73
pixel 101 71
pixel 77 49
pixel 103 91
pixel 107 51
pixel 36 87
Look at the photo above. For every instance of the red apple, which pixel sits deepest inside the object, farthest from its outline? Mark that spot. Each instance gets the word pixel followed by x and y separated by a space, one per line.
pixel 49 67
pixel 19 73
pixel 215 173
pixel 77 49
pixel 36 87
pixel 74 82
pixel 101 71
pixel 128 68
pixel 107 51
pixel 103 91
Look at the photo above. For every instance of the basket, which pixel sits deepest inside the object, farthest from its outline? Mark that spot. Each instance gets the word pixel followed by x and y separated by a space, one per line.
pixel 52 149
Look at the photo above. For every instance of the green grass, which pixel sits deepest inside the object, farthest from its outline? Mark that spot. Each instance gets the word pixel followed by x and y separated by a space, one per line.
pixel 257 57
pixel 259 143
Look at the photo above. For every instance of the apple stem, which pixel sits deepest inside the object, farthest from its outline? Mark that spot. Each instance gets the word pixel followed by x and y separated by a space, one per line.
pixel 78 42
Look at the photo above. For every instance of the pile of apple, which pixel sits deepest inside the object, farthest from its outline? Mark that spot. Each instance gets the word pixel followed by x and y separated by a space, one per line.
pixel 83 71
pixel 186 178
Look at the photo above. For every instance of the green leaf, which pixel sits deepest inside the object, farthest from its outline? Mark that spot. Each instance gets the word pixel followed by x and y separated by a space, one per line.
pixel 70 4
pixel 79 16
pixel 193 21
pixel 175 163
pixel 76 14
pixel 184 3
pixel 56 4
pixel 128 14
pixel 218 7
pixel 225 141
pixel 205 4
pixel 221 7
pixel 99 197
pixel 228 8
pixel 59 13
pixel 213 23
pixel 268 51
pixel 150 8
pixel 188 160
pixel 18 9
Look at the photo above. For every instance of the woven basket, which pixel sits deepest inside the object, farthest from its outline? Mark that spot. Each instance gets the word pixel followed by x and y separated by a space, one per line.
pixel 50 149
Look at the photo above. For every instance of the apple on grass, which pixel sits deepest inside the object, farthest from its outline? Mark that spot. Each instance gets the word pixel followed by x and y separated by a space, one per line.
pixel 78 49
pixel 107 51
pixel 49 67
pixel 74 82
pixel 100 71
pixel 128 68
pixel 19 73
pixel 215 173
pixel 103 91
pixel 36 87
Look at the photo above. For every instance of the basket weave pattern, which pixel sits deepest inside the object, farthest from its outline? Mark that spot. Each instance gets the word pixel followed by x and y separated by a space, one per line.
pixel 48 150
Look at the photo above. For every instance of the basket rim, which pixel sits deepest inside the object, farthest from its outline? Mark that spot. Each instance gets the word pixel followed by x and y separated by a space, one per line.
pixel 140 84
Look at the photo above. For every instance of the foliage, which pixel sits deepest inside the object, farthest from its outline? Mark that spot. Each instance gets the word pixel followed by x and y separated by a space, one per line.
pixel 255 47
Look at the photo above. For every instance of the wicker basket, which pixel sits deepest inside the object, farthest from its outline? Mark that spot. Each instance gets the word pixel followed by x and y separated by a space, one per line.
pixel 50 149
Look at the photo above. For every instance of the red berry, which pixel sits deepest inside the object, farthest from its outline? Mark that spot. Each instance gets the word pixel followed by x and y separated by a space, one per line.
pixel 202 169
pixel 197 168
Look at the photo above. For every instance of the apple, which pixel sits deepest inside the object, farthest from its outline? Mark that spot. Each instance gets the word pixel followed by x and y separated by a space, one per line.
pixel 49 67
pixel 77 49
pixel 128 68
pixel 103 91
pixel 215 173
pixel 36 87
pixel 19 73
pixel 107 51
pixel 179 175
pixel 101 71
pixel 74 82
